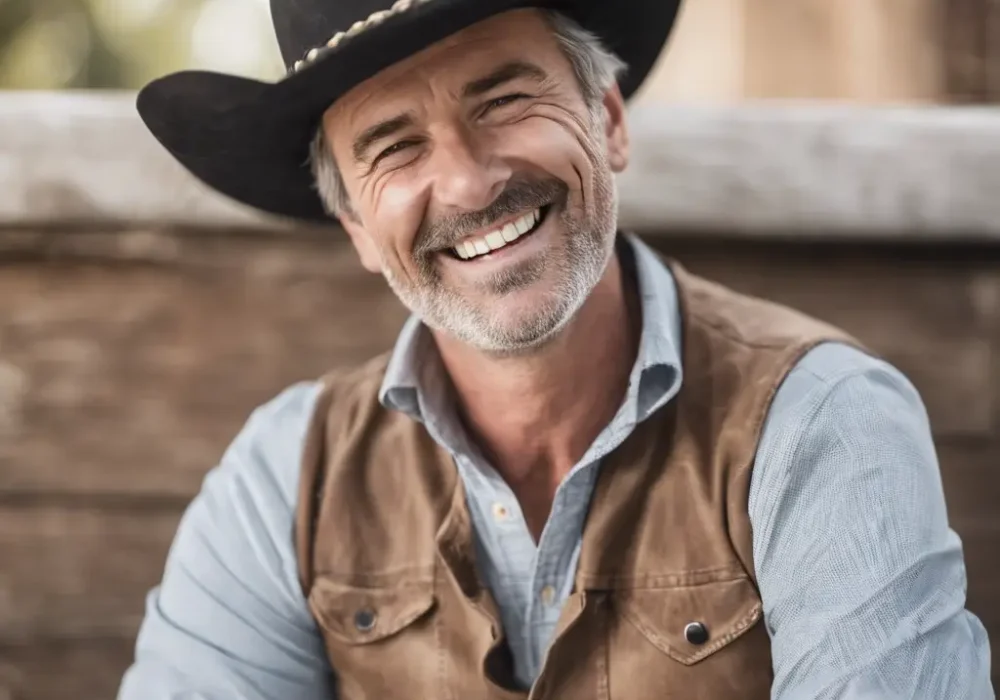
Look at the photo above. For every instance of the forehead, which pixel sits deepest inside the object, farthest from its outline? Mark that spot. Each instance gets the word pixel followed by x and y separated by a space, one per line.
pixel 450 63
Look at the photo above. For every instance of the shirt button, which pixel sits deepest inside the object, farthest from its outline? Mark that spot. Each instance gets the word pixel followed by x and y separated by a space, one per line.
pixel 500 512
pixel 696 633
pixel 548 595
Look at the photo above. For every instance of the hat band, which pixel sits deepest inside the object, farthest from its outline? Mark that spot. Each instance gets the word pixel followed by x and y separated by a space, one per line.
pixel 372 20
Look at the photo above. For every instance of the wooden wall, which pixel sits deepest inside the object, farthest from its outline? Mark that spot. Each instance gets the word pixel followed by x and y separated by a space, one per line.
pixel 970 40
pixel 129 360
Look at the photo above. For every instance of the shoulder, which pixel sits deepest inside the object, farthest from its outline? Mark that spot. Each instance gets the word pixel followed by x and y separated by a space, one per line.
pixel 835 377
pixel 844 424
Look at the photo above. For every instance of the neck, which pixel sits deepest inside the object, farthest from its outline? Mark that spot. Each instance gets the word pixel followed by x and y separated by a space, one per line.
pixel 536 415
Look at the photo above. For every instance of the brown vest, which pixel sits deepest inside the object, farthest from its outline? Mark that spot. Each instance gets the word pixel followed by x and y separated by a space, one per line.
pixel 386 551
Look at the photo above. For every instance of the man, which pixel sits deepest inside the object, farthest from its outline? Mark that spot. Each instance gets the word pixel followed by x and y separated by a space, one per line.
pixel 582 472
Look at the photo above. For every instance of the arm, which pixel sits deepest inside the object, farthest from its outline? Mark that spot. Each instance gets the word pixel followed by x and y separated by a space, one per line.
pixel 863 581
pixel 229 619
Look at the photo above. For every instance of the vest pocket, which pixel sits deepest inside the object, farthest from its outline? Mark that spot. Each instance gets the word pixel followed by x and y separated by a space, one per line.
pixel 356 615
pixel 383 643
pixel 690 623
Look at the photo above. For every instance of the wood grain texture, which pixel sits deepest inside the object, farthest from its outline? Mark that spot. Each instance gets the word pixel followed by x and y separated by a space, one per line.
pixel 970 50
pixel 801 169
pixel 78 573
pixel 130 378
pixel 123 372
pixel 933 319
pixel 64 670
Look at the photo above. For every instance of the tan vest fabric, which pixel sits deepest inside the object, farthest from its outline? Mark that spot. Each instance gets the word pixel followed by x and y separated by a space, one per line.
pixel 386 549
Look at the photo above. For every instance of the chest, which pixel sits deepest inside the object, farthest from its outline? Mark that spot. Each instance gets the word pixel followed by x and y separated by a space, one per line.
pixel 617 599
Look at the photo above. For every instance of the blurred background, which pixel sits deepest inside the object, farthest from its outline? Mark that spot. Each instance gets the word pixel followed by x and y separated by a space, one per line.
pixel 723 50
pixel 839 156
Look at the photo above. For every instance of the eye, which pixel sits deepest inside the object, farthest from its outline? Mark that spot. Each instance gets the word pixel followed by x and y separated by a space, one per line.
pixel 504 101
pixel 392 150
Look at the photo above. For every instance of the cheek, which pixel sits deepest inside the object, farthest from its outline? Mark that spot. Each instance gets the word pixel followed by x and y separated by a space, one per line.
pixel 397 215
pixel 559 148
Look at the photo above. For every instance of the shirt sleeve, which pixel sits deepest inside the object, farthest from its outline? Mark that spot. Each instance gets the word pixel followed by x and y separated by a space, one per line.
pixel 863 582
pixel 228 620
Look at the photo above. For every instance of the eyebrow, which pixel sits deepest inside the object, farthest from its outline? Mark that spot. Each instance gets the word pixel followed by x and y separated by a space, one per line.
pixel 379 131
pixel 504 74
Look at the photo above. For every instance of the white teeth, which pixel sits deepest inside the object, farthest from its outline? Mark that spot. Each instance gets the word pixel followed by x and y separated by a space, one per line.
pixel 495 240
pixel 498 238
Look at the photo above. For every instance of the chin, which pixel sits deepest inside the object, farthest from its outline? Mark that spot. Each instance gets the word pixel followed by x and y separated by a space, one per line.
pixel 525 328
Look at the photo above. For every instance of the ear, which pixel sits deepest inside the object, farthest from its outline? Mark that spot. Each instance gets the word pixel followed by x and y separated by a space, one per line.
pixel 616 129
pixel 363 242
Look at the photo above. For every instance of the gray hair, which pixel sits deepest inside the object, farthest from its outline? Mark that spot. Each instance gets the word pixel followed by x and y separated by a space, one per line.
pixel 596 68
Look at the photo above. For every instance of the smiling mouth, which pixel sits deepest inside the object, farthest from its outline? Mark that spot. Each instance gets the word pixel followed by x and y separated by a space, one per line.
pixel 504 237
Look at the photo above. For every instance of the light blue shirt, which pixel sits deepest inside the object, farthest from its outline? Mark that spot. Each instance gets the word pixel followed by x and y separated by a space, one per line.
pixel 862 580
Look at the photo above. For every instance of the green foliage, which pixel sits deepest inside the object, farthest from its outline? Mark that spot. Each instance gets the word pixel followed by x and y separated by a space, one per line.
pixel 57 44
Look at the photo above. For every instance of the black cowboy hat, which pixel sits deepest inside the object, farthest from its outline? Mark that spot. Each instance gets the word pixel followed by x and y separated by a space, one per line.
pixel 250 139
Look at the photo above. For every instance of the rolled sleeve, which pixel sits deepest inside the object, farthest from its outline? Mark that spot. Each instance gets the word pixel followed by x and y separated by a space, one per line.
pixel 862 579
pixel 228 619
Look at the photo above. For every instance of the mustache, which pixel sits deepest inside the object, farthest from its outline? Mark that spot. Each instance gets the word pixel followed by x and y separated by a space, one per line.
pixel 518 196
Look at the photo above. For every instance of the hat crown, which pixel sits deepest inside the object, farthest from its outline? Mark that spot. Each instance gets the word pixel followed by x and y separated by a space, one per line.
pixel 301 25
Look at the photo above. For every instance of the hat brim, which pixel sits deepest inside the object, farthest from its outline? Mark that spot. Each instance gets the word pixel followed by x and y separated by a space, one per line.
pixel 249 139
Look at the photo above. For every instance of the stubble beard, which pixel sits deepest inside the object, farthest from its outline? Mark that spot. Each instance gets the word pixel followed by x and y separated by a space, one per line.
pixel 575 266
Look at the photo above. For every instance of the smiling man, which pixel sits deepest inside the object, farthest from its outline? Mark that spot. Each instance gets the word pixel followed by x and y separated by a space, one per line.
pixel 582 472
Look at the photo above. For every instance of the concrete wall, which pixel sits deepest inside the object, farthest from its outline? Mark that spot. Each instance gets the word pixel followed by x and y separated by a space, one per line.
pixel 142 319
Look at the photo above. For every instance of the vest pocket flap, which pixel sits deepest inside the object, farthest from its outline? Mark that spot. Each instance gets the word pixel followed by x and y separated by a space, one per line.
pixel 356 615
pixel 690 623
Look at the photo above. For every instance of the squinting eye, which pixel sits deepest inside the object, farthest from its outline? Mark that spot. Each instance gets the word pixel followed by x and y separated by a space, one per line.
pixel 394 148
pixel 505 100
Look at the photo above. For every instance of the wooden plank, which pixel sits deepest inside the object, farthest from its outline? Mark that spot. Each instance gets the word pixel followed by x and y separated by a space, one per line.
pixel 992 30
pixel 963 49
pixel 145 353
pixel 753 169
pixel 970 35
pixel 50 670
pixel 970 472
pixel 131 377
pixel 770 171
pixel 933 321
pixel 74 573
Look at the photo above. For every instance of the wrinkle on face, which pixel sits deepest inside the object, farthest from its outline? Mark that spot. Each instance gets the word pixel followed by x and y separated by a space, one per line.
pixel 424 85
pixel 552 134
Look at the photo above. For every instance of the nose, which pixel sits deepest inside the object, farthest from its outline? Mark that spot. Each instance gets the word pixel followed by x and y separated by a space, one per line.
pixel 466 176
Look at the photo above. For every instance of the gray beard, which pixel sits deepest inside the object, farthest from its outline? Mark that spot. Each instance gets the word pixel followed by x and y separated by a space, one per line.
pixel 577 266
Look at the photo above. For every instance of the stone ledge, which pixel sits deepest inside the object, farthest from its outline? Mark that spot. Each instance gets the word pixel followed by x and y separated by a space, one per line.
pixel 901 173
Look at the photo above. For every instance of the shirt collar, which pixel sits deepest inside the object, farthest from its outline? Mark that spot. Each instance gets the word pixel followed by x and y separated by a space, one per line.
pixel 415 381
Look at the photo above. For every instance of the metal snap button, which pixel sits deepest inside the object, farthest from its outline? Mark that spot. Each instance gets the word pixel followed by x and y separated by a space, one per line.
pixel 696 633
pixel 364 620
